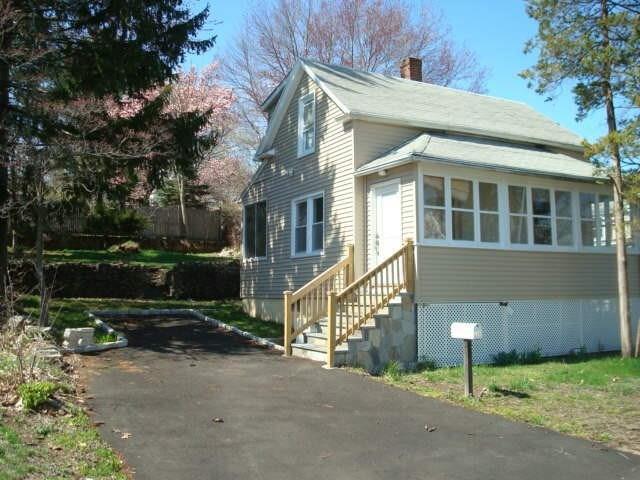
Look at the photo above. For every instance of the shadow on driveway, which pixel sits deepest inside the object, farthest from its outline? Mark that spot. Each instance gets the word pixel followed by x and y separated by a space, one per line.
pixel 289 418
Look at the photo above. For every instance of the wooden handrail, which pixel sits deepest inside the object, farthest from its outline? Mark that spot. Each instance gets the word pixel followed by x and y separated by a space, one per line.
pixel 309 304
pixel 362 299
pixel 330 272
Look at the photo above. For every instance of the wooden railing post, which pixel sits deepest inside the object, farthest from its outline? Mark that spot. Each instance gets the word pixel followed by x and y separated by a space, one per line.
pixel 409 266
pixel 288 323
pixel 331 329
pixel 350 260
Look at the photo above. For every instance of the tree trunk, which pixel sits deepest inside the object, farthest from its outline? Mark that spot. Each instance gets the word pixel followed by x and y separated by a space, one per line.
pixel 618 197
pixel 184 227
pixel 43 319
pixel 4 176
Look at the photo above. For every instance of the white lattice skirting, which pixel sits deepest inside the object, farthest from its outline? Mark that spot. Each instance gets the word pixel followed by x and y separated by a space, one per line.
pixel 554 326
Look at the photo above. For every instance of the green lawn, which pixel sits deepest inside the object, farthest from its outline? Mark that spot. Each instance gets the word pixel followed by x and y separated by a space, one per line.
pixel 55 447
pixel 71 312
pixel 155 258
pixel 44 444
pixel 594 397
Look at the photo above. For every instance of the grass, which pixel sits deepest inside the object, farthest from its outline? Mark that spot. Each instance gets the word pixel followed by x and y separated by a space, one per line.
pixel 71 312
pixel 593 397
pixel 14 455
pixel 152 258
pixel 38 446
pixel 47 440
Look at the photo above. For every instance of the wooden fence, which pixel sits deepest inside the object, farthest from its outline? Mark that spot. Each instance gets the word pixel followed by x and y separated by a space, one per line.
pixel 162 222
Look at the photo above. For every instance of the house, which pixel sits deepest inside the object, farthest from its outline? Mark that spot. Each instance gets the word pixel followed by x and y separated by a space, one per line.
pixel 387 208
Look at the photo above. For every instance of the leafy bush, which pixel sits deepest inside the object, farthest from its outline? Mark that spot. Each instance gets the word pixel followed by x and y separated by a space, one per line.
pixel 503 359
pixel 114 221
pixel 103 337
pixel 392 371
pixel 35 394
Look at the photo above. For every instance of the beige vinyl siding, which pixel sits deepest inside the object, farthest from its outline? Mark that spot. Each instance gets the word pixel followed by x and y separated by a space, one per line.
pixel 464 274
pixel 370 141
pixel 328 170
pixel 374 139
pixel 407 175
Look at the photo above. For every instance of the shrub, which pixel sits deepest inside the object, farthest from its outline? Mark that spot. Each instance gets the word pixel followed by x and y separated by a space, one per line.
pixel 114 221
pixel 100 336
pixel 503 359
pixel 35 394
pixel 392 371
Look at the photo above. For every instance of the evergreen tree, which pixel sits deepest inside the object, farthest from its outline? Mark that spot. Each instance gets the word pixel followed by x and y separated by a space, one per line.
pixel 595 46
pixel 56 50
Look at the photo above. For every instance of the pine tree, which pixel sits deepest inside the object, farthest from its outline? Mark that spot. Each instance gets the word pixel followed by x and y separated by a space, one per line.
pixel 594 45
pixel 56 50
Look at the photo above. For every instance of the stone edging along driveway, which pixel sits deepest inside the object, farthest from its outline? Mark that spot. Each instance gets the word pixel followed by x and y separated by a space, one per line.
pixel 181 312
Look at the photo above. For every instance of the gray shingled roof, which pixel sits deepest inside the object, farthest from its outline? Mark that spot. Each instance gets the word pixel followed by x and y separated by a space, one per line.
pixel 365 94
pixel 475 152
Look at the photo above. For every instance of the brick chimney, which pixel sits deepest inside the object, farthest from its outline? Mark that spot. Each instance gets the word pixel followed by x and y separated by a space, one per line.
pixel 411 69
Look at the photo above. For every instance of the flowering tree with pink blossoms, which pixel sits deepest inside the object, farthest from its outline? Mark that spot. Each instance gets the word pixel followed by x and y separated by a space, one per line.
pixel 199 93
pixel 199 111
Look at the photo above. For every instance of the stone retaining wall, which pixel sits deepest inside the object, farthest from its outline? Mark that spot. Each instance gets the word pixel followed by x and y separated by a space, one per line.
pixel 197 280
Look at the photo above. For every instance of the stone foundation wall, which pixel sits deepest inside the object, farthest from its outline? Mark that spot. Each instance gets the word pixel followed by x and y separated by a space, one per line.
pixel 393 340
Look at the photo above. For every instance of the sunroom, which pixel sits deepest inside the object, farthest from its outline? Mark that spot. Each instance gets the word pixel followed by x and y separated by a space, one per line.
pixel 517 238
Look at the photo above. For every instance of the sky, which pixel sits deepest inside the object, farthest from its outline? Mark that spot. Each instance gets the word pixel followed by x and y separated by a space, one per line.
pixel 496 30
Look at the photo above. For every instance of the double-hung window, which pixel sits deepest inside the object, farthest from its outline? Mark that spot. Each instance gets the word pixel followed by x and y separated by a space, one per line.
pixel 462 211
pixel 308 225
pixel 518 215
pixel 588 215
pixel 564 218
pixel 434 208
pixel 489 212
pixel 605 218
pixel 541 206
pixel 255 230
pixel 306 124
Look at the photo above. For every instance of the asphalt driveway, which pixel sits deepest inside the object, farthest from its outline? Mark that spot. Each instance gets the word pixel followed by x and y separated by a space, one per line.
pixel 288 418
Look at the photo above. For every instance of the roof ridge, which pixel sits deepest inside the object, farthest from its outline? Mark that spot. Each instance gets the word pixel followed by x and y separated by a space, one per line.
pixel 416 83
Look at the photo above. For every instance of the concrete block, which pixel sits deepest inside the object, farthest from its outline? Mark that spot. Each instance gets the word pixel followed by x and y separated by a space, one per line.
pixel 78 337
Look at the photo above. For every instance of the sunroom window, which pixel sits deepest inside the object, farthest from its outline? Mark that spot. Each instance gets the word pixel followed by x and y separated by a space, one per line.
pixel 541 206
pixel 308 225
pixel 518 211
pixel 306 125
pixel 468 212
pixel 434 208
pixel 605 217
pixel 564 218
pixel 489 212
pixel 588 219
pixel 462 212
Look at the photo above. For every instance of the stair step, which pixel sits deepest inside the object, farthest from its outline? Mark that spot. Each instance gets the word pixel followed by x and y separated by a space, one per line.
pixel 316 338
pixel 318 352
pixel 320 339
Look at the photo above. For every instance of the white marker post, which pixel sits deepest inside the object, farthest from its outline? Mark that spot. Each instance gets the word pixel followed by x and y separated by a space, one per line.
pixel 467 332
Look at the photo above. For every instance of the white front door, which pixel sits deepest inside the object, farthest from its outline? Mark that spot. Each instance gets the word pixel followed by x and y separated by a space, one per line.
pixel 387 236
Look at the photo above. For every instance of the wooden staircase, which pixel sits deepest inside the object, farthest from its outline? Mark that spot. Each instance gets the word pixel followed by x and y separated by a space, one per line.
pixel 330 316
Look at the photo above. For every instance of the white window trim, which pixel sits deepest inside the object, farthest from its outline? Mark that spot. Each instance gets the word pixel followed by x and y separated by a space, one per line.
pixel 301 102
pixel 245 258
pixel 505 237
pixel 309 199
